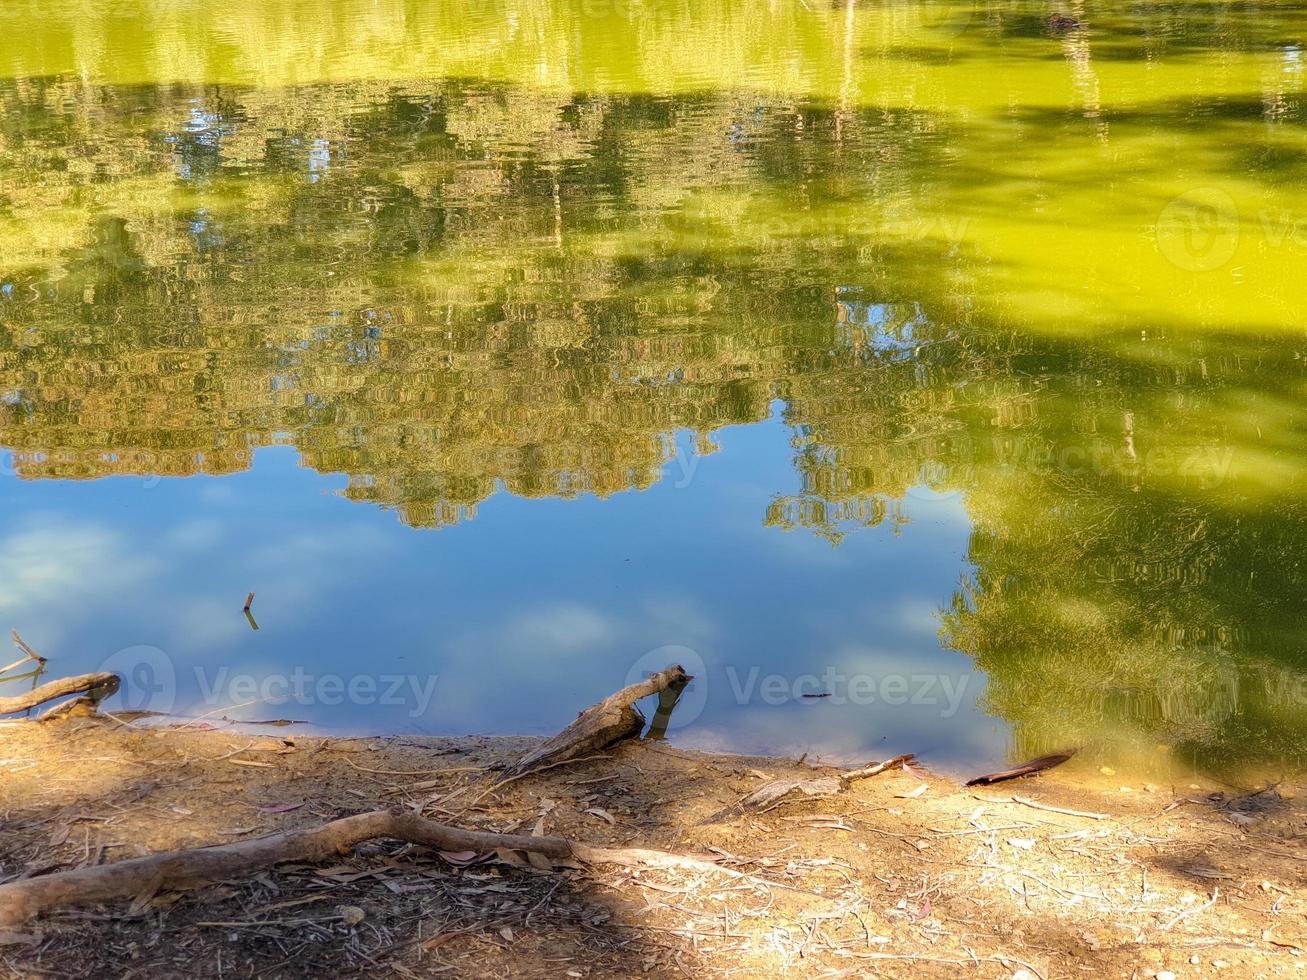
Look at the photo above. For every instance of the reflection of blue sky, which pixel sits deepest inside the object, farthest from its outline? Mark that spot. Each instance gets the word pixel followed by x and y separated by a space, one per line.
pixel 197 144
pixel 533 610
pixel 886 328
pixel 319 160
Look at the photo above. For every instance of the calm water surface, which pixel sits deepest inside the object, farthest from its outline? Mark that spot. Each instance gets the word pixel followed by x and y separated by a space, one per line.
pixel 912 353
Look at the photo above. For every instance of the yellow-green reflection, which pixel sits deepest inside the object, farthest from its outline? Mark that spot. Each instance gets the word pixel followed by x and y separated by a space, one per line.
pixel 441 249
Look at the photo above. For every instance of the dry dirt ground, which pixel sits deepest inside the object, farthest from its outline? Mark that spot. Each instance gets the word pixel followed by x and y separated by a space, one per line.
pixel 898 876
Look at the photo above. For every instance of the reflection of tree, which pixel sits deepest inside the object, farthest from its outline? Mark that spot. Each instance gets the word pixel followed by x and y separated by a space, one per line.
pixel 1140 582
pixel 435 293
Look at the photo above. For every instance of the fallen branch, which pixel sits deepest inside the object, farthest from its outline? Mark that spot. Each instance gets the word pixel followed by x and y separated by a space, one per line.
pixel 781 791
pixel 140 879
pixel 96 687
pixel 596 728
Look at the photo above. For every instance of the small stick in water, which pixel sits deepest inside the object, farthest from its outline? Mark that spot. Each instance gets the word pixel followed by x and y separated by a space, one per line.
pixel 249 601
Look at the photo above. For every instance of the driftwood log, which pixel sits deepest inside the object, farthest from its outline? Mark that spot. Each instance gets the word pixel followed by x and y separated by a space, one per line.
pixel 780 791
pixel 1025 769
pixel 96 687
pixel 597 727
pixel 140 879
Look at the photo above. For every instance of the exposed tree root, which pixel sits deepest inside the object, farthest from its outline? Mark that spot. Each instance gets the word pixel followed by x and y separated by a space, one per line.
pixel 140 878
pixel 597 727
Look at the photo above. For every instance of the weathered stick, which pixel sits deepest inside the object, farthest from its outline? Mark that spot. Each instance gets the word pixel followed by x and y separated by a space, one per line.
pixel 779 791
pixel 95 686
pixel 1058 809
pixel 614 718
pixel 874 769
pixel 249 601
pixel 21 900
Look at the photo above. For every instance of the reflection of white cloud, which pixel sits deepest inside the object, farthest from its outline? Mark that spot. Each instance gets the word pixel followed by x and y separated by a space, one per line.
pixel 557 629
pixel 303 567
pixel 311 545
pixel 879 662
pixel 200 623
pixel 198 535
pixel 293 576
pixel 780 736
pixel 917 617
pixel 854 734
pixel 522 676
pixel 53 562
pixel 882 702
pixel 218 493
pixel 680 619
pixel 800 546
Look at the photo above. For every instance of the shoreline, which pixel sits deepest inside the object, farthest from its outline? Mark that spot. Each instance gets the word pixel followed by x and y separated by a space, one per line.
pixel 1090 767
pixel 900 875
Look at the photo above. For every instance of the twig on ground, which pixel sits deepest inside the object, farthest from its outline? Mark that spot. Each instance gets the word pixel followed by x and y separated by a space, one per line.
pixel 1057 809
pixel 1185 913
pixel 780 791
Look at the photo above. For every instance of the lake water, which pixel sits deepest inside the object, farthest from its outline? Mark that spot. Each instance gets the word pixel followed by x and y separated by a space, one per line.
pixel 932 357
